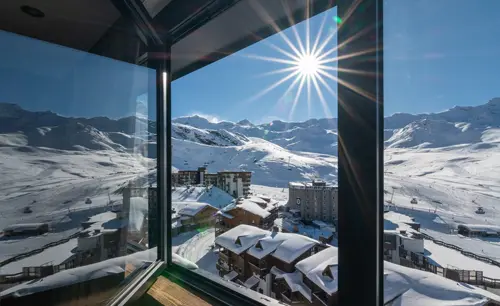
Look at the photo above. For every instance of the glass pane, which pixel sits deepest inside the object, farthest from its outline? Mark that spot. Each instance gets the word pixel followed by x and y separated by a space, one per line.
pixel 255 165
pixel 75 171
pixel 441 151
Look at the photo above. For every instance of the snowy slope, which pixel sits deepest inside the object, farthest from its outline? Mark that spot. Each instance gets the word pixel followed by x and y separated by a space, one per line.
pixel 456 126
pixel 268 162
pixel 213 195
pixel 55 185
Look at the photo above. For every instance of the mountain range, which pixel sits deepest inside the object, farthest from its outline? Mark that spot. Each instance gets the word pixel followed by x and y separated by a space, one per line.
pixel 308 147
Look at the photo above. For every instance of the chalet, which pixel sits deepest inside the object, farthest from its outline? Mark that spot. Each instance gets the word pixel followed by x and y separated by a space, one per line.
pixel 26 229
pixel 266 261
pixel 251 210
pixel 189 215
pixel 482 230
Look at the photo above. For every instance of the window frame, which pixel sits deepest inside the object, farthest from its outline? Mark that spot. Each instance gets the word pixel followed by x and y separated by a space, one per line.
pixel 360 129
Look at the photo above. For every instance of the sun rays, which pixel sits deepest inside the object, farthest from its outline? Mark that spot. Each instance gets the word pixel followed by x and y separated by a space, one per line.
pixel 310 64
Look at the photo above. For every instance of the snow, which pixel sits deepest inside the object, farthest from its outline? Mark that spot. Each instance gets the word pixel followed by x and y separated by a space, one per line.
pixel 412 287
pixel 307 230
pixel 450 258
pixel 252 207
pixel 294 280
pixel 248 236
pixel 196 247
pixel 268 162
pixel 221 213
pixel 231 275
pixel 189 208
pixel 138 213
pixel 293 247
pixel 213 195
pixel 54 256
pixel 81 274
pixel 313 268
pixel 23 227
pixel 483 228
pixel 251 281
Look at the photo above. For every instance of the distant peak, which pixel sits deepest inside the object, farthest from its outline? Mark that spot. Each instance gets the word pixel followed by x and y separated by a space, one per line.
pixel 245 122
pixel 494 101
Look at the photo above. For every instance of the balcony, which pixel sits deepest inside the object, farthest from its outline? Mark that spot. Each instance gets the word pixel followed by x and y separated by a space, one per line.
pixel 260 270
pixel 224 257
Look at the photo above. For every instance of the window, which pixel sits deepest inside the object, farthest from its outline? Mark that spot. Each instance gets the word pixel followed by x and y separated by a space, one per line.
pixel 441 124
pixel 77 163
pixel 270 111
pixel 226 116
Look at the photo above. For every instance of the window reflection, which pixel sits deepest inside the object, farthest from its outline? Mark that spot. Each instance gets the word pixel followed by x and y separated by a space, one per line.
pixel 441 149
pixel 75 133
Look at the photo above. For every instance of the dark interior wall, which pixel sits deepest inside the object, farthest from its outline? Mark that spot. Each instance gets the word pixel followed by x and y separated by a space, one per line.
pixel 120 42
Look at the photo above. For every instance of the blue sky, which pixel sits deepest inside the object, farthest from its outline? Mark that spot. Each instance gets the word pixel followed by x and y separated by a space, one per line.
pixel 437 56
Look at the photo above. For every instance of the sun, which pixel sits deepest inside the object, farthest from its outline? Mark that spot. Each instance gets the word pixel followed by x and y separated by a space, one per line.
pixel 308 65
pixel 312 64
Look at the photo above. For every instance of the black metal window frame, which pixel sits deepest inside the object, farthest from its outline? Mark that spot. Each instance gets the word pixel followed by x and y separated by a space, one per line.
pixel 360 131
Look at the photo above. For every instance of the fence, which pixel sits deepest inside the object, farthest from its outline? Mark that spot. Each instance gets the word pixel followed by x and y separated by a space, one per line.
pixel 459 249
pixel 39 250
pixel 420 262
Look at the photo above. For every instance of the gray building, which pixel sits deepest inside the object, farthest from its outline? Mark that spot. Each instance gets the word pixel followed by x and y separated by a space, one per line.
pixel 315 200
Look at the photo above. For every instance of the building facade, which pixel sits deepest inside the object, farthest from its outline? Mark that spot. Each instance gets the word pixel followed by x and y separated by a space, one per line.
pixel 252 210
pixel 283 266
pixel 235 183
pixel 315 200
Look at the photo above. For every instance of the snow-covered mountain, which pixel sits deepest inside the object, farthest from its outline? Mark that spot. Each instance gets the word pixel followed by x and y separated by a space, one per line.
pixel 475 125
pixel 277 152
pixel 221 146
pixel 314 135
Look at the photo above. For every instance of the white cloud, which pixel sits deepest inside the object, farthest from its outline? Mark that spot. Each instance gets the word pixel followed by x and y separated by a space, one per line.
pixel 210 118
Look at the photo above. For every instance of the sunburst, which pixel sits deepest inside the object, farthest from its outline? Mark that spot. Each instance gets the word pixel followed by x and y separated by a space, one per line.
pixel 309 63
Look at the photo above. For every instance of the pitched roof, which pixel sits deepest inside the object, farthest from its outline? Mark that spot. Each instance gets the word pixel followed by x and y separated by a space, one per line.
pixel 246 235
pixel 314 268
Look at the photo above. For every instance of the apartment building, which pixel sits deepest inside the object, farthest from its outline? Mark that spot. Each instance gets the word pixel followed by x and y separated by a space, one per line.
pixel 401 243
pixel 236 183
pixel 258 211
pixel 280 265
pixel 316 200
pixel 104 236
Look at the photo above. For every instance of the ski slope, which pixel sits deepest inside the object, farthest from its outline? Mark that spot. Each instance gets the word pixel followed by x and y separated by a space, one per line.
pixel 270 164
pixel 55 185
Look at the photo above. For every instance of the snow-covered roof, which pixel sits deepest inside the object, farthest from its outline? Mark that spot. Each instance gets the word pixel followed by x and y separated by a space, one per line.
pixel 82 274
pixel 52 256
pixel 309 184
pixel 106 221
pixel 268 245
pixel 321 223
pixel 252 205
pixel 231 275
pixel 251 281
pixel 189 208
pixel 412 287
pixel 220 212
pixel 246 234
pixel 294 280
pixel 24 226
pixel 293 247
pixel 307 230
pixel 285 246
pixel 482 228
pixel 314 266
